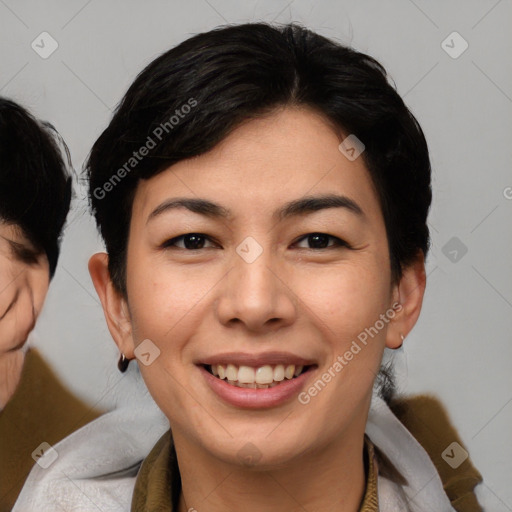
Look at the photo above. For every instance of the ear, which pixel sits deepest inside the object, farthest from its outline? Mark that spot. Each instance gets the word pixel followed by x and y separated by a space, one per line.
pixel 114 304
pixel 408 297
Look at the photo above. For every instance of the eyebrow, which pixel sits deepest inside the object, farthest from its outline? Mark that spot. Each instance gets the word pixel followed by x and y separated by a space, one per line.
pixel 22 251
pixel 302 206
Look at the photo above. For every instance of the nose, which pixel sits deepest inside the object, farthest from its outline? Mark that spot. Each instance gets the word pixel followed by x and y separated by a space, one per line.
pixel 256 294
pixel 25 316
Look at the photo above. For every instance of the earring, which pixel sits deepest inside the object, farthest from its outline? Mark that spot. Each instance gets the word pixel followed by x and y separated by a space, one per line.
pixel 123 363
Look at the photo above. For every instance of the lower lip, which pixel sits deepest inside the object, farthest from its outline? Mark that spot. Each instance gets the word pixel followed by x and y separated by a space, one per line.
pixel 250 398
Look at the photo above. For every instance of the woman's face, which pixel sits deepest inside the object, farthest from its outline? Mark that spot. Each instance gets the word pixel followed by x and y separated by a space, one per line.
pixel 257 289
pixel 24 281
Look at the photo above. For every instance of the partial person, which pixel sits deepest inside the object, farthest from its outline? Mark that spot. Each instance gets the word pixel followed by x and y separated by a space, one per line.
pixel 35 195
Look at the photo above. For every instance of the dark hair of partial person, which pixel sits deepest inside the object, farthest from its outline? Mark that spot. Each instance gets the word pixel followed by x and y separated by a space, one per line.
pixel 236 73
pixel 35 183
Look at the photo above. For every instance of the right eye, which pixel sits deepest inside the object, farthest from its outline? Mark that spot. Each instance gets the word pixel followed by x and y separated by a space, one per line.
pixel 191 241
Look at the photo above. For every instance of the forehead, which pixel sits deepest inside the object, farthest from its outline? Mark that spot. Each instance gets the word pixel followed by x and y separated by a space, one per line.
pixel 265 162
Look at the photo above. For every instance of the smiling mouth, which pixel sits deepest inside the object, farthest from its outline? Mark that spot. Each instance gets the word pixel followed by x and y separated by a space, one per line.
pixel 261 377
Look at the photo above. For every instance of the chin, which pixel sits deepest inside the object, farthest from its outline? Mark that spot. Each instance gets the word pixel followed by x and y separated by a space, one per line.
pixel 260 448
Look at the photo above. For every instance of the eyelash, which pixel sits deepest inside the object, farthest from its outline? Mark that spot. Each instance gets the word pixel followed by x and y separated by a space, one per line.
pixel 338 242
pixel 26 255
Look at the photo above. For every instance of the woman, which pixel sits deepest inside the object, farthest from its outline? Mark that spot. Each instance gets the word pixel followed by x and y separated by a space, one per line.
pixel 35 194
pixel 263 195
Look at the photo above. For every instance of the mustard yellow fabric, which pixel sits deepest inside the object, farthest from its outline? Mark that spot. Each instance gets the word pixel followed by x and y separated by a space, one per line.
pixel 158 479
pixel 41 409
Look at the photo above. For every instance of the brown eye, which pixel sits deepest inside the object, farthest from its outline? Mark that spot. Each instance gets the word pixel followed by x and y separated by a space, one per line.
pixel 191 241
pixel 321 241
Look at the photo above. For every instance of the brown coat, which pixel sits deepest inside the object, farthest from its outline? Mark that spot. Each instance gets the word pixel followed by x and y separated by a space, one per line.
pixel 427 420
pixel 41 410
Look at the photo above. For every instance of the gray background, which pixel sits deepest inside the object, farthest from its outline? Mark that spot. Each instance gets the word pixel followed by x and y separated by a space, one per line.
pixel 461 348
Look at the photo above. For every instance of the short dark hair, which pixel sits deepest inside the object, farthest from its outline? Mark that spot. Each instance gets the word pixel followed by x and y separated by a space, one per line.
pixel 35 185
pixel 238 72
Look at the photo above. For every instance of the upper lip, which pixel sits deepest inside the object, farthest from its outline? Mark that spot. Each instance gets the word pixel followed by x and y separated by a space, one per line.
pixel 255 360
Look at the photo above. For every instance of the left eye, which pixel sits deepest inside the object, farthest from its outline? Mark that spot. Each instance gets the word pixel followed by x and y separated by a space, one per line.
pixel 26 255
pixel 321 240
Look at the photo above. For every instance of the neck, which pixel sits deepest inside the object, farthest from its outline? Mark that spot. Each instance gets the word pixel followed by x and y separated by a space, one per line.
pixel 330 479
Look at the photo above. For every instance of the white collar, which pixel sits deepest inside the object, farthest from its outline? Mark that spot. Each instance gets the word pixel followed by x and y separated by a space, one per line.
pixel 424 491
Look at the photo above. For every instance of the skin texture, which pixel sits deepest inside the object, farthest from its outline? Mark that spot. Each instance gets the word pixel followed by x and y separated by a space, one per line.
pixel 24 281
pixel 311 302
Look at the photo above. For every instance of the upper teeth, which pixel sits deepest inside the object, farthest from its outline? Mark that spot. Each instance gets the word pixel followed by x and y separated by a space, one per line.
pixel 261 375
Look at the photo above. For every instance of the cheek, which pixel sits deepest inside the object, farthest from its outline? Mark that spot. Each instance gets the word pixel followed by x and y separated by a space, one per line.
pixel 345 304
pixel 169 309
pixel 346 299
pixel 165 302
